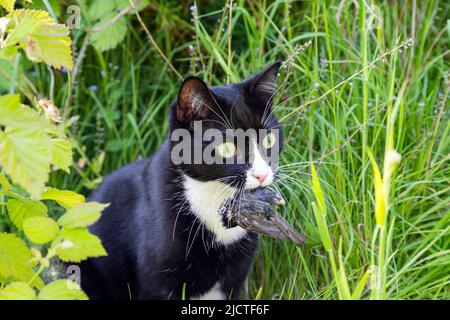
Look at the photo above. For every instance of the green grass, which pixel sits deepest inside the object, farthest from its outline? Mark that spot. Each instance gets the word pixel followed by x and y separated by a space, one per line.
pixel 353 91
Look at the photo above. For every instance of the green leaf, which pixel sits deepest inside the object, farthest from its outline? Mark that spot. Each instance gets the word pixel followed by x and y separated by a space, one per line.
pixel 64 198
pixel 99 8
pixel 82 215
pixel 15 258
pixel 75 245
pixel 40 230
pixel 13 114
pixel 21 23
pixel 51 44
pixel 61 154
pixel 62 289
pixel 7 4
pixel 20 210
pixel 42 38
pixel 110 37
pixel 25 155
pixel 18 291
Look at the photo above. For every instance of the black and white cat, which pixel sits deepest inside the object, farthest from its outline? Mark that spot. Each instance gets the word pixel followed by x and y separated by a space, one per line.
pixel 164 233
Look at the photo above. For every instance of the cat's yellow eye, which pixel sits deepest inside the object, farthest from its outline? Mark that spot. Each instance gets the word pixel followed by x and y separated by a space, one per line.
pixel 226 149
pixel 269 141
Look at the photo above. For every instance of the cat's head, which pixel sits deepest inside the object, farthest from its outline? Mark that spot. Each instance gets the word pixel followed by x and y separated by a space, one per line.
pixel 228 133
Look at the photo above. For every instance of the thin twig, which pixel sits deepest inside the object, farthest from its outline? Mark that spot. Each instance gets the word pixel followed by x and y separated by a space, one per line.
pixel 122 13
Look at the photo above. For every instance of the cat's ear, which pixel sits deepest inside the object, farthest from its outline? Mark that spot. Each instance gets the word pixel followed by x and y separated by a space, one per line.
pixel 263 85
pixel 195 100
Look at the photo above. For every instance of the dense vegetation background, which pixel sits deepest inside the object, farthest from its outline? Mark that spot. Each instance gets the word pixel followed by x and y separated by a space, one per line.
pixel 364 89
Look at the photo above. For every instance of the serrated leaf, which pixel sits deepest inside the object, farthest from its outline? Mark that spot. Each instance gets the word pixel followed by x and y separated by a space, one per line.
pixel 15 258
pixel 42 38
pixel 110 37
pixel 64 198
pixel 40 230
pixel 75 245
pixel 7 4
pixel 21 23
pixel 99 8
pixel 25 156
pixel 82 215
pixel 51 44
pixel 13 114
pixel 20 210
pixel 61 154
pixel 18 291
pixel 62 289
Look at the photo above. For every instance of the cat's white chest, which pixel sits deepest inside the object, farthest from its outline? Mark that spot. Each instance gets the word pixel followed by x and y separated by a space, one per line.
pixel 205 200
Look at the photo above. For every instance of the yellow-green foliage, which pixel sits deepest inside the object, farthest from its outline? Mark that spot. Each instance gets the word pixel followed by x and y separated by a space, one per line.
pixel 33 145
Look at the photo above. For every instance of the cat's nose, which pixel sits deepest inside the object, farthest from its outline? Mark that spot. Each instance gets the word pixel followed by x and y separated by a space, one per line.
pixel 260 177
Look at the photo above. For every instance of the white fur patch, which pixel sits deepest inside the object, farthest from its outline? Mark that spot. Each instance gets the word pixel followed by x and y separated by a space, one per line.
pixel 205 199
pixel 258 167
pixel 215 293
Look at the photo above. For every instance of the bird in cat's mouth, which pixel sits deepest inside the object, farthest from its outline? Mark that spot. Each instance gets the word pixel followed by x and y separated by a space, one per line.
pixel 256 212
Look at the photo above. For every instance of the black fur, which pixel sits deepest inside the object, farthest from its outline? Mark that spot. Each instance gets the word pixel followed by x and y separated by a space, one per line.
pixel 148 227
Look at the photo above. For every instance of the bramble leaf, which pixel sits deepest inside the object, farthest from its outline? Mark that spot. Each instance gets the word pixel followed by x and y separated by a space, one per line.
pixel 25 156
pixel 61 154
pixel 82 215
pixel 13 114
pixel 64 198
pixel 21 210
pixel 14 258
pixel 40 230
pixel 75 245
pixel 110 37
pixel 42 38
pixel 51 44
pixel 18 291
pixel 62 290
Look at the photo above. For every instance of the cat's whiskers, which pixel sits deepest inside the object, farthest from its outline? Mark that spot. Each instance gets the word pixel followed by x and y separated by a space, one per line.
pixel 304 187
pixel 266 116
